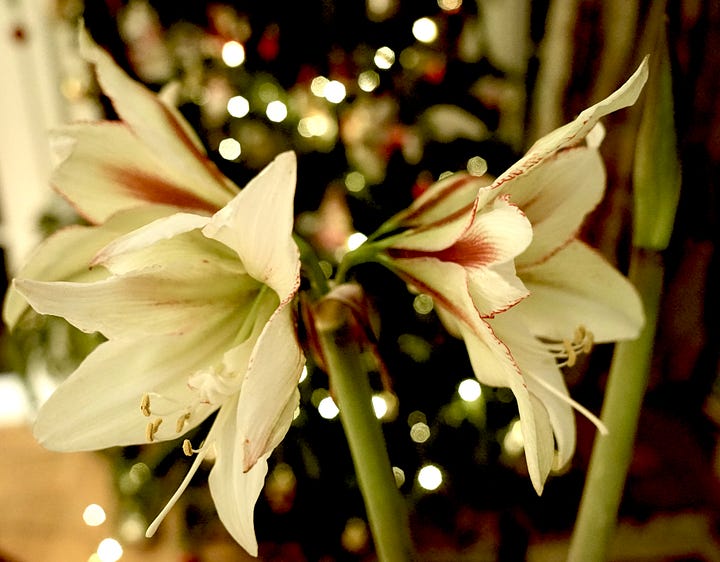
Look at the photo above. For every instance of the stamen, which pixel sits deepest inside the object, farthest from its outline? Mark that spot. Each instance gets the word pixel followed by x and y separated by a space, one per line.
pixel 180 423
pixel 151 429
pixel 145 405
pixel 571 355
pixel 187 448
pixel 567 351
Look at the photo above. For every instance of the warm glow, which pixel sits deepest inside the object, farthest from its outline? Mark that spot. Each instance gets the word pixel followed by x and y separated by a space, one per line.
pixel 477 166
pixel 513 442
pixel 317 125
pixel 233 54
pixel 399 475
pixel 327 408
pixel 238 106
pixel 355 240
pixel 425 30
pixel 94 515
pixel 384 58
pixel 423 304
pixel 430 477
pixel 380 406
pixel 449 5
pixel 318 85
pixel 469 390
pixel 276 111
pixel 355 182
pixel 229 149
pixel 109 550
pixel 334 91
pixel 420 432
pixel 368 80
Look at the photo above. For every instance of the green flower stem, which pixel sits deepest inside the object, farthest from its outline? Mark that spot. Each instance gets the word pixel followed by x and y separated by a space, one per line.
pixel 612 453
pixel 351 388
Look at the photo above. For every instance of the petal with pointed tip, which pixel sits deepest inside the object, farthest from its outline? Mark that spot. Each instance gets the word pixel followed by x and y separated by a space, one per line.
pixel 258 225
pixel 268 397
pixel 233 490
pixel 77 245
pixel 574 132
pixel 108 169
pixel 160 127
pixel 98 406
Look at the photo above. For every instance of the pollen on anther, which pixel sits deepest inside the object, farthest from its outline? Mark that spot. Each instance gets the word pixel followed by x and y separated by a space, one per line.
pixel 149 432
pixel 187 448
pixel 571 354
pixel 181 422
pixel 145 405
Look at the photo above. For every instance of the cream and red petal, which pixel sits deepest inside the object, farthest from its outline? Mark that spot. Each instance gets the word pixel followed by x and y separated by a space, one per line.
pixel 98 406
pixel 107 169
pixel 578 287
pixel 77 245
pixel 160 127
pixel 556 197
pixel 492 286
pixel 574 132
pixel 169 300
pixel 257 224
pixel 543 379
pixel 269 392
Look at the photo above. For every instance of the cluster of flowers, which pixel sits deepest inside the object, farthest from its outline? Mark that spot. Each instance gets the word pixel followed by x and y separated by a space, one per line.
pixel 193 282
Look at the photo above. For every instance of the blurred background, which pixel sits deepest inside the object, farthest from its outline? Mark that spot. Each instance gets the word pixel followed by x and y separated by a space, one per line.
pixel 378 98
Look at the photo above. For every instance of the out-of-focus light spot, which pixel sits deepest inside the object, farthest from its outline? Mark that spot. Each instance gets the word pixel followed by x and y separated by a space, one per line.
pixel 380 406
pixel 229 149
pixel 399 475
pixel 384 58
pixel 420 432
pixel 430 477
pixel 109 550
pixel 469 390
pixel 94 515
pixel 267 92
pixel 303 374
pixel 334 91
pixel 355 536
pixel 296 413
pixel 423 304
pixel 233 54
pixel 355 240
pixel 513 441
pixel 445 174
pixel 409 58
pixel 327 408
pixel 477 166
pixel 425 30
pixel 318 85
pixel 379 9
pixel 14 400
pixel 368 80
pixel 133 527
pixel 238 106
pixel 449 5
pixel 276 111
pixel 416 416
pixel 355 182
pixel 317 125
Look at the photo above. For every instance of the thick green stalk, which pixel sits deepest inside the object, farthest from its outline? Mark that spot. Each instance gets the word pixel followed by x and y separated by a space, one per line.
pixel 612 453
pixel 351 388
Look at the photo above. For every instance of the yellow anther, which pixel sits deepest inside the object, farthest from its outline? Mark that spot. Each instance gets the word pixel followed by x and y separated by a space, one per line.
pixel 156 424
pixel 571 355
pixel 181 422
pixel 187 448
pixel 149 432
pixel 145 405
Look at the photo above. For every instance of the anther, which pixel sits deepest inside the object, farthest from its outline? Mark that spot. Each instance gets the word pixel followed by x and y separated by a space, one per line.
pixel 180 423
pixel 145 405
pixel 151 429
pixel 571 354
pixel 187 448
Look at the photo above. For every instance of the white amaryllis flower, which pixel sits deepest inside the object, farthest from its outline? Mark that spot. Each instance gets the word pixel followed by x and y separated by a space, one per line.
pixel 120 175
pixel 191 281
pixel 508 275
pixel 197 312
